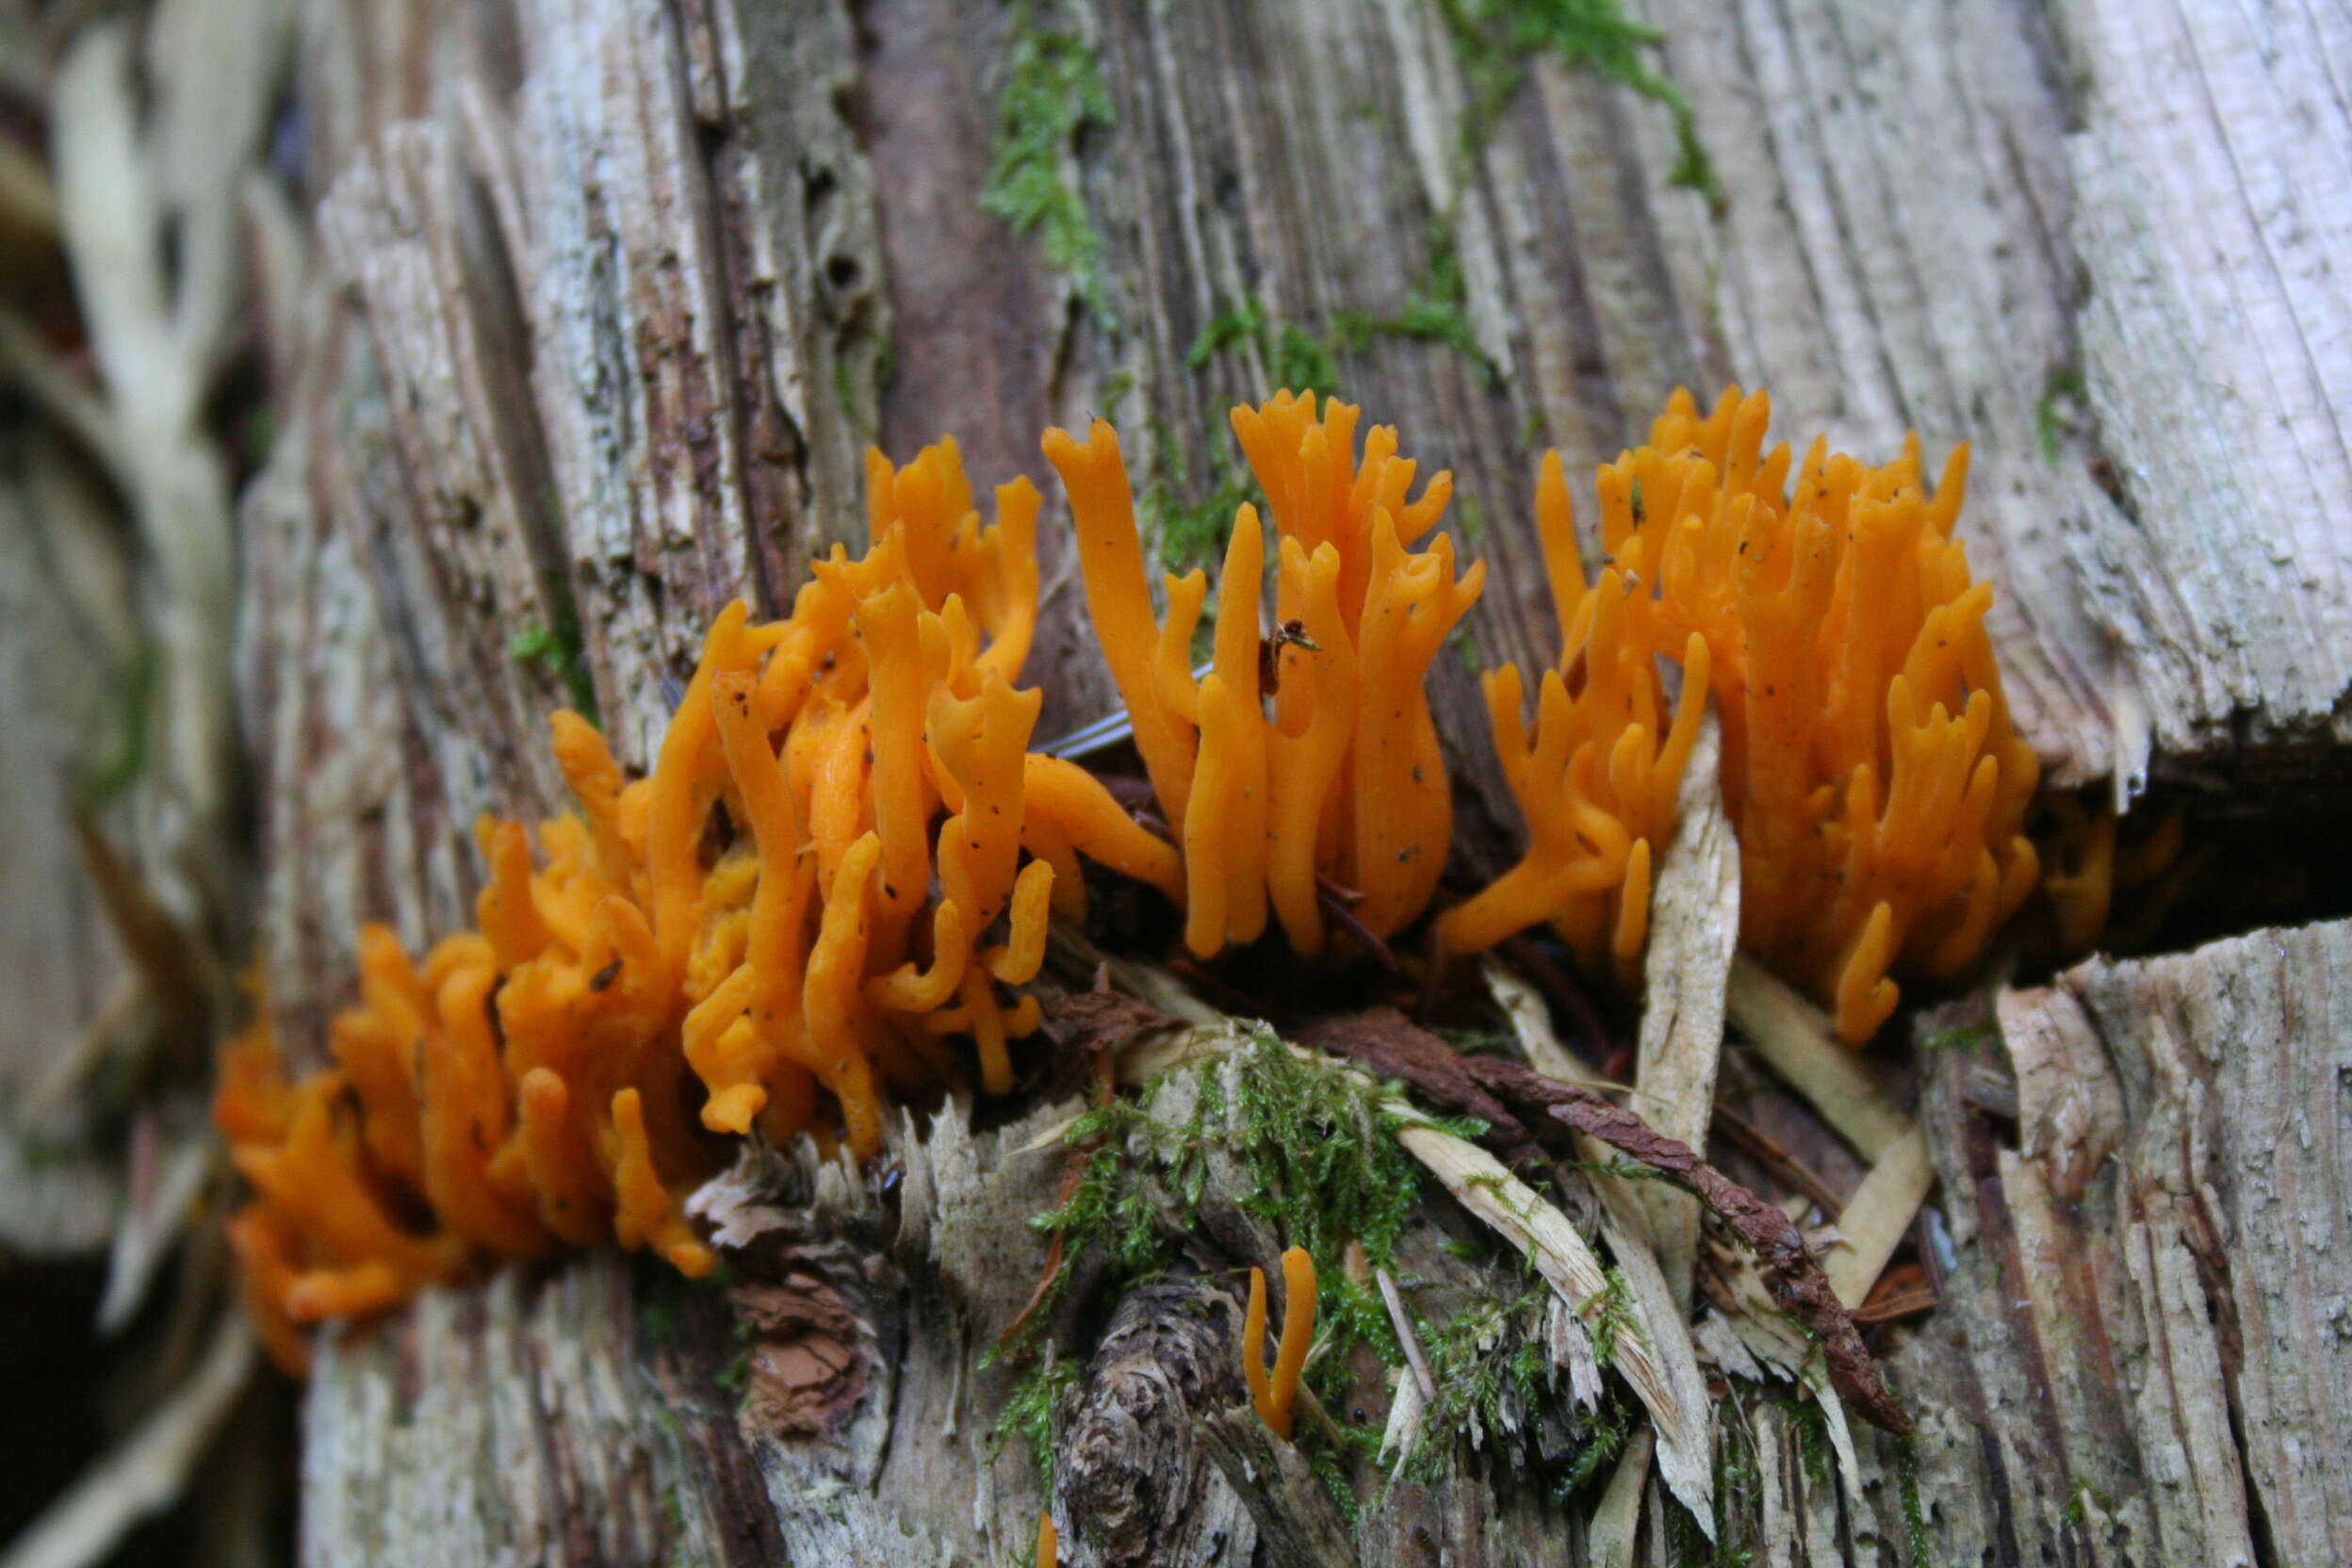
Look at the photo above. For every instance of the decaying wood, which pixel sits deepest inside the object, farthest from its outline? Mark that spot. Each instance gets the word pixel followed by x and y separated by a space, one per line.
pixel 2160 1243
pixel 1137 1464
pixel 1694 930
pixel 1392 1048
pixel 548 1419
pixel 606 291
pixel 1297 1520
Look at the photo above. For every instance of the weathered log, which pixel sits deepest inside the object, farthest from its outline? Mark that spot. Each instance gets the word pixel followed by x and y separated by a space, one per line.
pixel 606 293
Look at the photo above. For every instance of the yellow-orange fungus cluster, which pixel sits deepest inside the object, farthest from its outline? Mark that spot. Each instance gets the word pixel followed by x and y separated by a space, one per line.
pixel 1343 780
pixel 822 877
pixel 1596 779
pixel 1274 1393
pixel 845 853
pixel 1870 765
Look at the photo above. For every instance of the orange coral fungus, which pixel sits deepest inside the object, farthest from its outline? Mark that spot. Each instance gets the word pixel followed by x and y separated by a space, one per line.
pixel 1274 1393
pixel 1344 781
pixel 823 878
pixel 1870 765
pixel 1048 1540
pixel 1597 778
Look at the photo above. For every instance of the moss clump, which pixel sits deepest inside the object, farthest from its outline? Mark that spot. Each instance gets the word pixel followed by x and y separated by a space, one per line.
pixel 2053 413
pixel 555 652
pixel 1811 1426
pixel 1029 1415
pixel 1186 533
pixel 1318 1143
pixel 1496 39
pixel 1604 1440
pixel 1437 311
pixel 1737 1477
pixel 1053 93
pixel 1490 1370
pixel 1607 1315
pixel 1294 358
pixel 1960 1037
pixel 1321 1167
pixel 1190 534
pixel 1914 1516
pixel 1298 358
pixel 130 692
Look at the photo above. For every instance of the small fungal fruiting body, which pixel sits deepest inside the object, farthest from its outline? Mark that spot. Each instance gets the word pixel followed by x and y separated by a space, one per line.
pixel 776 929
pixel 1274 1393
pixel 1344 781
pixel 1869 766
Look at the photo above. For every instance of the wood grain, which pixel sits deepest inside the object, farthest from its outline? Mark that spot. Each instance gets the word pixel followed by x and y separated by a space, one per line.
pixel 613 285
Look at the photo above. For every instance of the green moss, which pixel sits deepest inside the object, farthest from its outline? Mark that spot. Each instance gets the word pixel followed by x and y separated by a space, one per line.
pixel 1471 1040
pixel 1114 390
pixel 1317 1143
pixel 1607 1316
pixel 1194 535
pixel 1737 1477
pixel 556 653
pixel 1298 358
pixel 1602 1442
pixel 1465 647
pixel 1185 533
pixel 1052 94
pixel 1294 358
pixel 1914 1517
pixel 1204 638
pixel 1496 39
pixel 2051 413
pixel 1687 1546
pixel 1811 1426
pixel 1436 312
pixel 2077 1510
pixel 1322 1167
pixel 130 694
pixel 1235 326
pixel 1469 524
pixel 1531 429
pixel 845 392
pixel 1960 1037
pixel 1619 1167
pixel 1030 1416
pixel 1490 1370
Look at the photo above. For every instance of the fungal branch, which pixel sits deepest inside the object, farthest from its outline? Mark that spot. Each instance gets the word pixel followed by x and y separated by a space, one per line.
pixel 1273 1393
pixel 1871 767
pixel 1598 777
pixel 1344 781
pixel 1877 784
